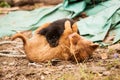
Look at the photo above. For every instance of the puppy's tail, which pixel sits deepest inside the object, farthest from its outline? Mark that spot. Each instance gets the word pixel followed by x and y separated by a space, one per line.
pixel 20 35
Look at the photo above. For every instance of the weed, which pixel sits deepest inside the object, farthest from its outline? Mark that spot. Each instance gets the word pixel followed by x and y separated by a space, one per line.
pixel 82 73
pixel 4 4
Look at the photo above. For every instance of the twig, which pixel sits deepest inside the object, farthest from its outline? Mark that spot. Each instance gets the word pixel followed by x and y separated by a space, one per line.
pixel 6 10
pixel 9 9
pixel 72 53
pixel 21 51
pixel 11 55
pixel 8 42
pixel 7 51
pixel 75 58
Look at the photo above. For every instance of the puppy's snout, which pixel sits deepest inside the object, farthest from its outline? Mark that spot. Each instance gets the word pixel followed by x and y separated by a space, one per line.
pixel 53 44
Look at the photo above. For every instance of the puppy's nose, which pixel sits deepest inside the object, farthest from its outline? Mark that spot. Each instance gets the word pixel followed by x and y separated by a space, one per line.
pixel 54 45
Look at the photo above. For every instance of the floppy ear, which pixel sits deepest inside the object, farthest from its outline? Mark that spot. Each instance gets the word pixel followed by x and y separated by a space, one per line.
pixel 74 35
pixel 41 27
pixel 43 31
pixel 94 45
pixel 67 25
pixel 74 27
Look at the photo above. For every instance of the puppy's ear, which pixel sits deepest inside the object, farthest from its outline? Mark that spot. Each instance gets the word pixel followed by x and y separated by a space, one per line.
pixel 67 25
pixel 43 31
pixel 94 45
pixel 74 27
pixel 42 27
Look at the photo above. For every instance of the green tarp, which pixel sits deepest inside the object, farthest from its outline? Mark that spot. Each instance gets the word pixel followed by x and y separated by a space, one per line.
pixel 103 17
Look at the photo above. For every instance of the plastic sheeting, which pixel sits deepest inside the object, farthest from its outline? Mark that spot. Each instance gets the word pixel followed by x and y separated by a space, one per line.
pixel 103 17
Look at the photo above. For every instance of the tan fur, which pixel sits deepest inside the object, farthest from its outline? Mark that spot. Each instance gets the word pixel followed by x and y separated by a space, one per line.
pixel 81 47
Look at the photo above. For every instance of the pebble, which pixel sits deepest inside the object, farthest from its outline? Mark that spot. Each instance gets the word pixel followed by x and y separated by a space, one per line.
pixel 34 64
pixel 97 69
pixel 12 63
pixel 46 72
pixel 4 63
pixel 61 67
pixel 42 77
pixel 106 73
pixel 116 55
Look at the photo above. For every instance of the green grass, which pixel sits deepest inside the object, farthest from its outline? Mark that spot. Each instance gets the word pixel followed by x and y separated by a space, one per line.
pixel 82 73
pixel 4 4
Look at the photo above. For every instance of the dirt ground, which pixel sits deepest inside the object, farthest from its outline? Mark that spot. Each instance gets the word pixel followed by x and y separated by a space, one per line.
pixel 104 65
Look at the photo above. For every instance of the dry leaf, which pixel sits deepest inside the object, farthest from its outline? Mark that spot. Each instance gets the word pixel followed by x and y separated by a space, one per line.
pixel 104 55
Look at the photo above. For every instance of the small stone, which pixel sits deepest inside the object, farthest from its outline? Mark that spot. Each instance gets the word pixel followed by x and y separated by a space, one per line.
pixel 116 55
pixel 61 67
pixel 97 69
pixel 42 77
pixel 106 73
pixel 34 64
pixel 69 66
pixel 104 55
pixel 4 63
pixel 12 63
pixel 99 74
pixel 46 72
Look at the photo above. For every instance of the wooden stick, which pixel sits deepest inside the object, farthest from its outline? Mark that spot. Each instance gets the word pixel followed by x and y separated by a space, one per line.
pixel 12 55
pixel 8 42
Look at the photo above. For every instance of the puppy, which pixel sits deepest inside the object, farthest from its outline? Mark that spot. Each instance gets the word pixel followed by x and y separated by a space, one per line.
pixel 37 48
pixel 80 47
pixel 54 31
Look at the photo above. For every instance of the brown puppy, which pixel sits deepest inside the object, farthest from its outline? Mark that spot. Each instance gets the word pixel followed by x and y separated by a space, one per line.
pixel 37 48
pixel 80 47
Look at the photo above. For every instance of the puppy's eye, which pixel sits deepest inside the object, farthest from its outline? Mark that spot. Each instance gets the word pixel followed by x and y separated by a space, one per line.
pixel 54 36
pixel 48 38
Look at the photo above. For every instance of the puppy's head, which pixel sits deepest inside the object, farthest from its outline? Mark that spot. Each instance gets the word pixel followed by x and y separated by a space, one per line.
pixel 81 47
pixel 54 31
pixel 53 36
pixel 56 34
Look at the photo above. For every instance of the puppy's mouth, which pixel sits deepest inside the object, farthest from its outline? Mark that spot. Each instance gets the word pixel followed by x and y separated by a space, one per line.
pixel 54 44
